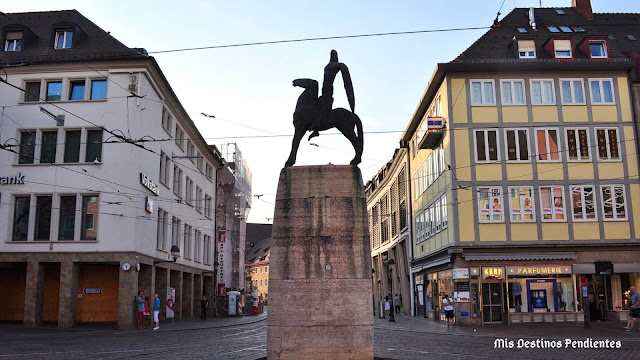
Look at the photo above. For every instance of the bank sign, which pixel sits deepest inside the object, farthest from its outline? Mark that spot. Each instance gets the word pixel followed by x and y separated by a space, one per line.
pixel 148 183
pixel 12 180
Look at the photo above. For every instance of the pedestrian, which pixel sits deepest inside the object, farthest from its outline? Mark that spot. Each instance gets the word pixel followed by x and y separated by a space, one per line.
pixel 156 311
pixel 634 310
pixel 204 304
pixel 140 308
pixel 397 304
pixel 448 310
pixel 387 305
pixel 146 312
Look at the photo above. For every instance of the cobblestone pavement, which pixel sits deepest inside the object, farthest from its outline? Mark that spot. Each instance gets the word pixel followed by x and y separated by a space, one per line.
pixel 245 338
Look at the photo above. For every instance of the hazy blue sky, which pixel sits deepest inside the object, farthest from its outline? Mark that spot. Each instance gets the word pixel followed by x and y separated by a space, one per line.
pixel 252 85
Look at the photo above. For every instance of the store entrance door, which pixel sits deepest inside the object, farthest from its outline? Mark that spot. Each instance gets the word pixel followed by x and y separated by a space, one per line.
pixel 492 300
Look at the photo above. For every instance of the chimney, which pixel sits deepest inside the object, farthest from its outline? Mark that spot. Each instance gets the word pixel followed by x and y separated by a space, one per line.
pixel 583 7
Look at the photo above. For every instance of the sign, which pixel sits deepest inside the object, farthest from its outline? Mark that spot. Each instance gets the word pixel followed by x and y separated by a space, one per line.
pixel 12 180
pixel 604 268
pixel 435 123
pixel 461 291
pixel 93 291
pixel 460 274
pixel 461 286
pixel 146 182
pixel 493 272
pixel 464 313
pixel 474 272
pixel 222 239
pixel 171 296
pixel 149 205
pixel 538 270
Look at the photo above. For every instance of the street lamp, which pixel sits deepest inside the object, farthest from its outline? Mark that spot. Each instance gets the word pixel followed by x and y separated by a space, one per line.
pixel 175 252
pixel 392 307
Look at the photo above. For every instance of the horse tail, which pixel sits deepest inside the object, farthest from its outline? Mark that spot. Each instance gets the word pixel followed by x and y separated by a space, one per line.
pixel 360 134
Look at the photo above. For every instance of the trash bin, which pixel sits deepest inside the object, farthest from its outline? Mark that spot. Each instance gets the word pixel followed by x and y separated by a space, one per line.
pixel 232 303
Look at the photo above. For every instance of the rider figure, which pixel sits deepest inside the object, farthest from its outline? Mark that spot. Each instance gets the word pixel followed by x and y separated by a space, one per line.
pixel 326 99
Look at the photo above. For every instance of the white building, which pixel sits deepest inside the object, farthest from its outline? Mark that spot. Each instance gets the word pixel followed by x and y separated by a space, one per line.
pixel 94 201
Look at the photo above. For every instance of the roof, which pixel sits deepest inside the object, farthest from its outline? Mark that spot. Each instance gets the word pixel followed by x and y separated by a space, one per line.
pixel 91 42
pixel 256 232
pixel 258 242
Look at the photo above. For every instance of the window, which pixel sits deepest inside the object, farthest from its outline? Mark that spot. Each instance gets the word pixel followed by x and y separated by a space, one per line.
pixel 611 37
pixel 198 251
pixel 565 28
pixel 179 137
pixel 432 217
pixel 438 213
pixel 608 144
pixel 43 217
pixel 198 199
pixel 54 90
pixel 177 180
pixel 560 12
pixel 21 218
pixel 207 206
pixel 445 215
pixel 490 204
pixel 189 193
pixel 598 49
pixel 188 243
pixel 583 203
pixel 552 203
pixel 631 37
pixel 614 206
pixel 426 224
pixel 522 30
pixel 208 173
pixel 601 91
pixel 482 92
pixel 32 92
pixel 578 144
pixel 175 232
pixel 199 160
pixel 207 249
pixel 76 90
pixel 562 49
pixel 542 92
pixel 521 202
pixel 72 146
pixel 64 39
pixel 486 145
pixel 163 220
pixel 89 218
pixel 164 168
pixel 98 89
pixel 512 92
pixel 13 41
pixel 94 146
pixel 166 120
pixel 67 224
pixel 191 151
pixel 27 147
pixel 517 142
pixel 578 29
pixel 553 29
pixel 572 91
pixel 48 147
pixel 547 145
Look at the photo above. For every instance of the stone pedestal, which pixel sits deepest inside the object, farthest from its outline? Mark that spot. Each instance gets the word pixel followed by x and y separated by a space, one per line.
pixel 320 268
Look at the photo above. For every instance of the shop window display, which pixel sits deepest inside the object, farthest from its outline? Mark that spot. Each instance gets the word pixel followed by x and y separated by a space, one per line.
pixel 549 294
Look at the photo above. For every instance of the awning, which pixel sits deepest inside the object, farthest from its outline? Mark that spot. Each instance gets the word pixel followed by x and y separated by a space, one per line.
pixel 520 256
pixel 433 263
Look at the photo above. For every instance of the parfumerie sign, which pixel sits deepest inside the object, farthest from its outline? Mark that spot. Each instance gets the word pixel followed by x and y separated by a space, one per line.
pixel 538 270
pixel 12 180
pixel 146 182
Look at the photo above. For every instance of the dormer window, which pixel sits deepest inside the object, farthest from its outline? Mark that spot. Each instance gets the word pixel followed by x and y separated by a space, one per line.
pixel 631 37
pixel 13 41
pixel 562 49
pixel 553 29
pixel 526 49
pixel 566 29
pixel 522 30
pixel 64 39
pixel 578 29
pixel 560 12
pixel 598 49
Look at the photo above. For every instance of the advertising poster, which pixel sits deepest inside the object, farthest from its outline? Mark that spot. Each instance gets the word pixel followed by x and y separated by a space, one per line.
pixel 171 296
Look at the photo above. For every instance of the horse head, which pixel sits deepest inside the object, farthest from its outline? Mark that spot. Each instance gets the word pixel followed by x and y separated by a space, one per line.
pixel 306 84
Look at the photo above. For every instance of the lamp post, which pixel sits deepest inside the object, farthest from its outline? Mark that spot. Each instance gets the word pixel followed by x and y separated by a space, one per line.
pixel 389 263
pixel 175 252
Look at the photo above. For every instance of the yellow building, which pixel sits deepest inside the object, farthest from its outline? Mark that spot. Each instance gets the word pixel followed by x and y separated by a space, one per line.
pixel 532 186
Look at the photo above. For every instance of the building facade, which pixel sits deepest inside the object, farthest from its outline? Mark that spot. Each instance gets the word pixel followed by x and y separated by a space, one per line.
pixel 389 228
pixel 257 257
pixel 112 185
pixel 528 197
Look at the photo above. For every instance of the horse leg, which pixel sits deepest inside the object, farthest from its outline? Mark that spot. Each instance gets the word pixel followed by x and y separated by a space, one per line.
pixel 353 139
pixel 294 146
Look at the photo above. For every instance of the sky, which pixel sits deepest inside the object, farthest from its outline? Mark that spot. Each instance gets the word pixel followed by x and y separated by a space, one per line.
pixel 248 88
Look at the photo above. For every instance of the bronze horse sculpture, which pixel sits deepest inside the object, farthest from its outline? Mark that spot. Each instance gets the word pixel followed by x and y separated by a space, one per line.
pixel 309 117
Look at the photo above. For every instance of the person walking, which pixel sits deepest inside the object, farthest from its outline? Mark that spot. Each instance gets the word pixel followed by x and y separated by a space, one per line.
pixel 204 305
pixel 156 311
pixel 448 309
pixel 634 310
pixel 397 304
pixel 140 308
pixel 387 305
pixel 146 313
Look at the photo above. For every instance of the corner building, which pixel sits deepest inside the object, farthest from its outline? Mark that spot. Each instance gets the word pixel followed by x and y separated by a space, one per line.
pixel 112 175
pixel 532 186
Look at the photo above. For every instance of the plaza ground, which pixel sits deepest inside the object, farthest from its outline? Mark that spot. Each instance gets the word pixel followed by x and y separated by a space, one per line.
pixel 245 338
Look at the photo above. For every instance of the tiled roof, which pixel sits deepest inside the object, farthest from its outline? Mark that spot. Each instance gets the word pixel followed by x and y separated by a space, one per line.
pixel 93 44
pixel 494 44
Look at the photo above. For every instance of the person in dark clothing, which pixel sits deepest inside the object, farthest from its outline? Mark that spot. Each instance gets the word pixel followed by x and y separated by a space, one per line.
pixel 397 304
pixel 204 304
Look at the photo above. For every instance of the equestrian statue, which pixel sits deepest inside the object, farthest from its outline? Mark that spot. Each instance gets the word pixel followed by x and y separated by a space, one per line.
pixel 316 114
